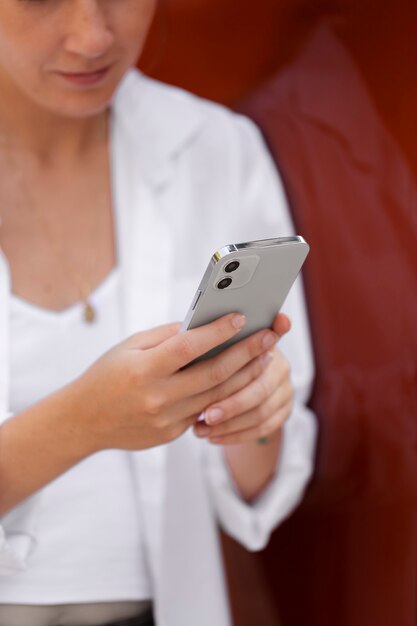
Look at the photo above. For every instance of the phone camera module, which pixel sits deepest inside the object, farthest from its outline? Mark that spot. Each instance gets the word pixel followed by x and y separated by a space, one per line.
pixel 232 266
pixel 224 283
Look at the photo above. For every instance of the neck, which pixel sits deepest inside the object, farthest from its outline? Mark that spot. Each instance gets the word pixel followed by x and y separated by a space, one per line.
pixel 49 136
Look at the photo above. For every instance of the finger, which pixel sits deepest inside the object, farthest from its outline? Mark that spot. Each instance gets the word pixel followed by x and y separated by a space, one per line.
pixel 281 399
pixel 152 337
pixel 238 381
pixel 266 429
pixel 179 351
pixel 253 394
pixel 195 405
pixel 241 379
pixel 211 374
pixel 181 426
pixel 281 324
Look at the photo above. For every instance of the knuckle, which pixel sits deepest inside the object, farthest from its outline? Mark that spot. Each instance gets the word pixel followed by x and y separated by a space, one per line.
pixel 184 347
pixel 259 419
pixel 162 422
pixel 265 429
pixel 217 394
pixel 264 387
pixel 154 403
pixel 134 376
pixel 177 430
pixel 263 412
pixel 219 372
pixel 256 369
pixel 255 418
pixel 223 429
pixel 254 345
pixel 190 421
pixel 209 397
pixel 219 330
pixel 268 409
pixel 231 408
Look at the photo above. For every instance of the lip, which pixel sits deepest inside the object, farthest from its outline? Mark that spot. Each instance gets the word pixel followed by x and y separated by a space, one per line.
pixel 86 79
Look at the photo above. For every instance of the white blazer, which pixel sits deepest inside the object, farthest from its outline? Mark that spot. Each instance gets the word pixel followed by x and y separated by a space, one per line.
pixel 188 177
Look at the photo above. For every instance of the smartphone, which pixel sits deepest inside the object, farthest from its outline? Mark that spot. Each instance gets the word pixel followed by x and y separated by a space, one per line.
pixel 252 278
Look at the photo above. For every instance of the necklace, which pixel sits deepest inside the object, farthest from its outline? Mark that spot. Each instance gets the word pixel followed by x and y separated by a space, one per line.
pixel 83 286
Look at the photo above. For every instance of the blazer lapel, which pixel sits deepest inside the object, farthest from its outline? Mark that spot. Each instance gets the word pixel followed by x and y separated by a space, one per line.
pixel 170 482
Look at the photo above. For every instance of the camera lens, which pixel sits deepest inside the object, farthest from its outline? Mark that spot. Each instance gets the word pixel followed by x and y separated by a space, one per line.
pixel 232 266
pixel 223 283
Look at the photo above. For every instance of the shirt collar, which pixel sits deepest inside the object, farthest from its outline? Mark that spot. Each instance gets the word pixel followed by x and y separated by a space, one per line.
pixel 157 121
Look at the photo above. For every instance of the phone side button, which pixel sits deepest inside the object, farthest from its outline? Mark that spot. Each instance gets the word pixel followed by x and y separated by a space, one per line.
pixel 196 299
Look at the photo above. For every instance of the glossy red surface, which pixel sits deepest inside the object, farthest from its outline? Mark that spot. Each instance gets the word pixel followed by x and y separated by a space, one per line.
pixel 333 87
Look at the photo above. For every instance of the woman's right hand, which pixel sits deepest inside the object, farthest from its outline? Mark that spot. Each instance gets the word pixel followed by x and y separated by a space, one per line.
pixel 137 395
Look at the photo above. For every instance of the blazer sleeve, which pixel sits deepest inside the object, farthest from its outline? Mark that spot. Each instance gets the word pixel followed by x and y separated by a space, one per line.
pixel 17 535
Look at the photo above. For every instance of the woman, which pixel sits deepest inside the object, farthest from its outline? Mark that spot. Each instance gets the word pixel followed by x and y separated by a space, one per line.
pixel 116 190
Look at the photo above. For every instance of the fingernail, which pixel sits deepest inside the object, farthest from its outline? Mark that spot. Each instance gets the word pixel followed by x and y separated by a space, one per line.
pixel 269 340
pixel 212 416
pixel 266 358
pixel 238 321
pixel 201 430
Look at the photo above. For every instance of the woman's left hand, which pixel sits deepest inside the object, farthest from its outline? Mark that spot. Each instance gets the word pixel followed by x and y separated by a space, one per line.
pixel 259 409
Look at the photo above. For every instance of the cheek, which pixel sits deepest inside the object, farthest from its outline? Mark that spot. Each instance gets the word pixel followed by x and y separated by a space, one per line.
pixel 24 47
pixel 18 60
pixel 133 24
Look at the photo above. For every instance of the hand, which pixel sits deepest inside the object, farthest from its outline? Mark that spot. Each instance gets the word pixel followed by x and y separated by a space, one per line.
pixel 137 395
pixel 259 409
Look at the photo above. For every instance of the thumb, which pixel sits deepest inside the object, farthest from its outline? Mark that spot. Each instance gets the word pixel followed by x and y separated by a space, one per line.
pixel 281 324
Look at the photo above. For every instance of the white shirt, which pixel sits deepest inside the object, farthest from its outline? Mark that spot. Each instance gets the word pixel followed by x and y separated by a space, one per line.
pixel 92 501
pixel 188 177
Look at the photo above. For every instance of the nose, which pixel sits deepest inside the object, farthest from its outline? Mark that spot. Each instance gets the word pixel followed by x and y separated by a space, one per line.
pixel 88 29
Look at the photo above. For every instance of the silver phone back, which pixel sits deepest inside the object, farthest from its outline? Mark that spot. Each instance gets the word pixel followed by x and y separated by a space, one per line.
pixel 258 288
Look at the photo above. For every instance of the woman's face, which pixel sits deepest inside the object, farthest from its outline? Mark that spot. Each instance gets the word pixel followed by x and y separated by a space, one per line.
pixel 68 56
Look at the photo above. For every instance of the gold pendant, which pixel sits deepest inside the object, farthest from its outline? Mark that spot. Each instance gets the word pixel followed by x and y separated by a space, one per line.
pixel 89 312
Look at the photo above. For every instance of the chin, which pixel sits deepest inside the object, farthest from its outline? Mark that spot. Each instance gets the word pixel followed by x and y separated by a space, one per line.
pixel 85 112
pixel 79 108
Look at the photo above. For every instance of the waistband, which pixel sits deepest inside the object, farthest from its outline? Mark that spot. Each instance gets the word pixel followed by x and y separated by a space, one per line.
pixel 144 619
pixel 107 614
